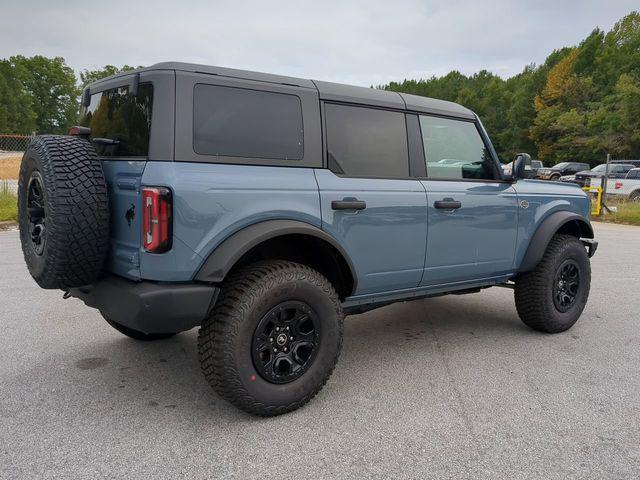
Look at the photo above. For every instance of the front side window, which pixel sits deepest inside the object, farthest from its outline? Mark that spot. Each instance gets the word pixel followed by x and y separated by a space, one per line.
pixel 366 142
pixel 454 150
pixel 120 123
pixel 238 122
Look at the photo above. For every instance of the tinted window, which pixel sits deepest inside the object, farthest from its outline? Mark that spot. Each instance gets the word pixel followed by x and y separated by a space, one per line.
pixel 635 173
pixel 454 150
pixel 237 122
pixel 365 142
pixel 122 118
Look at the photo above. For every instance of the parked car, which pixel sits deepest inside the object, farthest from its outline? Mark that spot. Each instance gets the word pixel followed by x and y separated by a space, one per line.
pixel 628 187
pixel 263 208
pixel 635 163
pixel 531 171
pixel 616 170
pixel 561 169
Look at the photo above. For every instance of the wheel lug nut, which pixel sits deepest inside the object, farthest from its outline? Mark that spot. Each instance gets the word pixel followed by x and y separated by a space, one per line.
pixel 275 350
pixel 287 328
pixel 277 329
pixel 285 349
pixel 271 340
pixel 290 338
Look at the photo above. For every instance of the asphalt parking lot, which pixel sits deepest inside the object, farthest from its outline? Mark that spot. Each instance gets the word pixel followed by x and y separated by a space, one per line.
pixel 449 387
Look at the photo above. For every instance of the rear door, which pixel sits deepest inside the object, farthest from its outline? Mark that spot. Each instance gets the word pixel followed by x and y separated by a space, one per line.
pixel 369 203
pixel 472 212
pixel 131 121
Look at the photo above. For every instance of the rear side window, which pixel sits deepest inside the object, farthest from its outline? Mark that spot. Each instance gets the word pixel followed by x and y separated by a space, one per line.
pixel 238 122
pixel 454 150
pixel 122 120
pixel 365 142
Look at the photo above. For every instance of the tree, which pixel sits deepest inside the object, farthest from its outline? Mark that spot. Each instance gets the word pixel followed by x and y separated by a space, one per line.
pixel 90 76
pixel 16 113
pixel 51 84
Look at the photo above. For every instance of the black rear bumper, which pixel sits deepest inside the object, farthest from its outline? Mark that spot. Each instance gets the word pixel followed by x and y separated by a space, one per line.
pixel 149 307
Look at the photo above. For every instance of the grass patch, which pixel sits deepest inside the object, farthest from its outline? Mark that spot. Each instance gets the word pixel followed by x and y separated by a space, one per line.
pixel 8 204
pixel 628 213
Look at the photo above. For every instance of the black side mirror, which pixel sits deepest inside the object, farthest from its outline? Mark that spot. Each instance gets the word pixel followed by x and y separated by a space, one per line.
pixel 521 164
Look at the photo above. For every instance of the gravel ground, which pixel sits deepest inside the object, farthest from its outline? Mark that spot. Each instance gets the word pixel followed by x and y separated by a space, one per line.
pixel 450 387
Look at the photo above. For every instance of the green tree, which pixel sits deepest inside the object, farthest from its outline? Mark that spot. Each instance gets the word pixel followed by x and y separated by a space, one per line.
pixel 16 113
pixel 51 84
pixel 90 76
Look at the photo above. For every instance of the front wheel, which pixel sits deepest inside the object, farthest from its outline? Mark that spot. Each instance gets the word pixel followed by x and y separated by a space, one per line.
pixel 273 338
pixel 552 297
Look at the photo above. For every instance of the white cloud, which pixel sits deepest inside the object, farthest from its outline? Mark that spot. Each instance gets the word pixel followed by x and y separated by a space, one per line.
pixel 360 42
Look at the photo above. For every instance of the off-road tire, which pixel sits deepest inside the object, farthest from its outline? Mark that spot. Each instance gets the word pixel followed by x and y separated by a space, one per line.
pixel 136 334
pixel 225 337
pixel 534 290
pixel 554 178
pixel 76 211
pixel 635 196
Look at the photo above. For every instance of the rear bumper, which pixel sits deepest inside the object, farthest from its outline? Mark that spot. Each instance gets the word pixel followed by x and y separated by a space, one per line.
pixel 149 307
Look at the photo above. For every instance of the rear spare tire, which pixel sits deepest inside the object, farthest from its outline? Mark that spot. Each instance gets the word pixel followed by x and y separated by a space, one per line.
pixel 63 211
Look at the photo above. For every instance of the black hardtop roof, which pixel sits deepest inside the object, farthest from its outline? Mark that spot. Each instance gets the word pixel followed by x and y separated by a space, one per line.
pixel 326 90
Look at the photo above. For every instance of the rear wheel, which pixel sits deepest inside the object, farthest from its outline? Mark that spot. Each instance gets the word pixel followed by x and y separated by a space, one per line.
pixel 552 297
pixel 555 177
pixel 635 196
pixel 273 338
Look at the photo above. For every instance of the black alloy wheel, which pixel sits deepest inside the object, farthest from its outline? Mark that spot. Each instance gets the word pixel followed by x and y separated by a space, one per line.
pixel 285 341
pixel 36 212
pixel 566 285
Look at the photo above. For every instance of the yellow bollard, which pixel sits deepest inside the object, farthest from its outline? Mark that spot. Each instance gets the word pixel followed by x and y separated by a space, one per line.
pixel 598 197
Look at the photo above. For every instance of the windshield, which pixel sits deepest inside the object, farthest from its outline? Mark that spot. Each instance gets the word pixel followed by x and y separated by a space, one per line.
pixel 120 123
pixel 561 165
pixel 600 168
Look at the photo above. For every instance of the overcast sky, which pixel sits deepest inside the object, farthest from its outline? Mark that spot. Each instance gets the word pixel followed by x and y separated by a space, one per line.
pixel 360 42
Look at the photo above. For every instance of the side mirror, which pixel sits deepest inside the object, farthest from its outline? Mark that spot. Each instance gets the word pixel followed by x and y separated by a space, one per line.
pixel 521 164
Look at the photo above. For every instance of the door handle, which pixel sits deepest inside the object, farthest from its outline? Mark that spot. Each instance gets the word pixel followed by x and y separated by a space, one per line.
pixel 348 205
pixel 447 204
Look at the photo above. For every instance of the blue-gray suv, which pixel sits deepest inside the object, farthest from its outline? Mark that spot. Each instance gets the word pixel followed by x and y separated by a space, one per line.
pixel 264 208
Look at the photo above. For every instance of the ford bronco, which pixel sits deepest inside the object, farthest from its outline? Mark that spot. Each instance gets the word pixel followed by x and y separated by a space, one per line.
pixel 263 208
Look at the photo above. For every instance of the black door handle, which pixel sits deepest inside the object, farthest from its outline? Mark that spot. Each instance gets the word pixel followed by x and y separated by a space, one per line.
pixel 348 205
pixel 447 204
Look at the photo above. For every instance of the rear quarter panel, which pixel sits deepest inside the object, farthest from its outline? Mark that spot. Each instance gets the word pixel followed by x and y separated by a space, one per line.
pixel 212 201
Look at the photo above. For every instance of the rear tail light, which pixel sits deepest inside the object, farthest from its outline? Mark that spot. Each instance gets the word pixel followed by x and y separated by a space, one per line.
pixel 156 219
pixel 618 185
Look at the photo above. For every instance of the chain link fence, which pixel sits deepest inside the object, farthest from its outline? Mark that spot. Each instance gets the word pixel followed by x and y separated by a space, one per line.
pixel 12 146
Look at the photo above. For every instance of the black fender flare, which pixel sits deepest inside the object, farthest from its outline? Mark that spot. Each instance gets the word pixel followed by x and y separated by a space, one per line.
pixel 227 253
pixel 546 230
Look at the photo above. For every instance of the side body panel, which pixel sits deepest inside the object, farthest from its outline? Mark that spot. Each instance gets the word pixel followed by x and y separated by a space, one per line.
pixel 542 199
pixel 386 240
pixel 212 201
pixel 475 241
